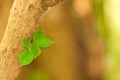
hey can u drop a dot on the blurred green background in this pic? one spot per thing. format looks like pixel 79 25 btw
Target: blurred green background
pixel 87 41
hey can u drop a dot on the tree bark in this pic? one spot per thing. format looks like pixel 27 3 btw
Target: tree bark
pixel 24 19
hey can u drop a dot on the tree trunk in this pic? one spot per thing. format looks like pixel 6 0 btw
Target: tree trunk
pixel 24 18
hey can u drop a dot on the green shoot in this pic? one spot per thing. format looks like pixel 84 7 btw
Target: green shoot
pixel 39 40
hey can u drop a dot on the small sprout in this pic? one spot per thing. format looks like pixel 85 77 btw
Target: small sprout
pixel 25 57
pixel 35 50
pixel 26 43
pixel 39 40
pixel 45 43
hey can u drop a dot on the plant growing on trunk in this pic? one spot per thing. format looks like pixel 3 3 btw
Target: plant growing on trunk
pixel 33 49
pixel 24 19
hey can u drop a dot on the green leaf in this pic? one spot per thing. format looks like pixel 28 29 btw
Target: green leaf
pixel 35 50
pixel 25 58
pixel 45 43
pixel 38 36
pixel 26 43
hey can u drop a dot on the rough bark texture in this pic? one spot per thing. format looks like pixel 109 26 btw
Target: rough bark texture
pixel 25 16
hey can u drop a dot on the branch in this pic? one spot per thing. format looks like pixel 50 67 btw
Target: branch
pixel 24 19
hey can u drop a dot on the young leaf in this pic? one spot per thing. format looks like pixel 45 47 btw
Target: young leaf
pixel 35 50
pixel 25 58
pixel 45 43
pixel 26 43
pixel 38 35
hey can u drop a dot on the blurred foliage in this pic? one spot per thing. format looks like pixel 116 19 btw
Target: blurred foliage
pixel 99 12
pixel 108 18
pixel 38 75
